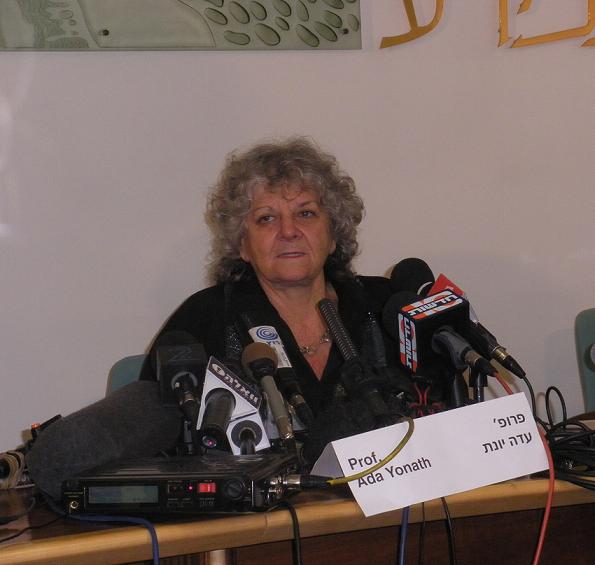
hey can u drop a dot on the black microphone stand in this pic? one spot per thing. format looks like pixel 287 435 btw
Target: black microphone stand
pixel 478 380
pixel 459 391
pixel 189 405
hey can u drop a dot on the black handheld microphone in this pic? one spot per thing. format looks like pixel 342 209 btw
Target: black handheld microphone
pixel 260 360
pixel 355 375
pixel 412 274
pixel 415 275
pixel 219 406
pixel 428 326
pixel 461 354
pixel 229 417
pixel 181 363
pixel 430 329
pixel 131 422
pixel 488 345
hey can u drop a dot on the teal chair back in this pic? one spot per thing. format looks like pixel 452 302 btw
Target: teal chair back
pixel 124 371
pixel 584 333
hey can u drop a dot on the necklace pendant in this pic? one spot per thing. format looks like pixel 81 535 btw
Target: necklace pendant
pixel 313 348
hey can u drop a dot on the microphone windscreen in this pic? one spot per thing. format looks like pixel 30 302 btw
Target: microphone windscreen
pixel 412 274
pixel 391 310
pixel 131 422
pixel 180 365
pixel 170 338
pixel 175 337
pixel 256 351
pixel 329 313
pixel 339 420
pixel 344 418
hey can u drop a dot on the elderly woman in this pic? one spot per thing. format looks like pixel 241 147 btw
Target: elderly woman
pixel 284 220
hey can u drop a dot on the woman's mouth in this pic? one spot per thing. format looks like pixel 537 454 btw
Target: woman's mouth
pixel 291 255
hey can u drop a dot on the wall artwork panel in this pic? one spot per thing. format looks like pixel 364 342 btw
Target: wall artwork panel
pixel 99 25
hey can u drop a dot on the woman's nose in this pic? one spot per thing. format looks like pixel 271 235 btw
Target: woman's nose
pixel 289 228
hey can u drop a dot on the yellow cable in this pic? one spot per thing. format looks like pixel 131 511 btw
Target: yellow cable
pixel 391 455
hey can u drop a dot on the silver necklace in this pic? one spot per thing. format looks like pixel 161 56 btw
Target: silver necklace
pixel 313 347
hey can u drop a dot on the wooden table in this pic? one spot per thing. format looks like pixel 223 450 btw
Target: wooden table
pixel 497 524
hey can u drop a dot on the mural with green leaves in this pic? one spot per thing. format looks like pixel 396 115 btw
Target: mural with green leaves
pixel 179 24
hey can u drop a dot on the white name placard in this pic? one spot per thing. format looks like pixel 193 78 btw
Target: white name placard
pixel 450 452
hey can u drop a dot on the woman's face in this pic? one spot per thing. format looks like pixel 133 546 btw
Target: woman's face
pixel 287 236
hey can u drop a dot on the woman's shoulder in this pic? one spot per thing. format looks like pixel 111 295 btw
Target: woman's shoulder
pixel 374 282
pixel 200 305
pixel 206 295
pixel 364 292
pixel 377 287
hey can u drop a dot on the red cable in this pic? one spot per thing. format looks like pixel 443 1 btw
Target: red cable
pixel 426 394
pixel 504 384
pixel 419 394
pixel 418 405
pixel 550 497
pixel 551 481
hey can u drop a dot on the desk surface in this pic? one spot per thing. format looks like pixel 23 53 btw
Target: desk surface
pixel 319 514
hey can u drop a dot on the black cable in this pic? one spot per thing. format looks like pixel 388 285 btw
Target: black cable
pixel 422 535
pixel 38 527
pixel 562 429
pixel 574 479
pixel 296 542
pixel 450 533
pixel 549 390
pixel 8 519
pixel 572 444
pixel 525 379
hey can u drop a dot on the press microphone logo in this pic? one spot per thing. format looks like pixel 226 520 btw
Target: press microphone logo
pixel 407 343
pixel 235 384
pixel 221 383
pixel 266 333
pixel 433 305
pixel 269 336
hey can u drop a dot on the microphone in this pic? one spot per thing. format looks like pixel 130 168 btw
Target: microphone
pixel 373 344
pixel 426 326
pixel 219 406
pixel 412 274
pixel 181 363
pixel 285 376
pixel 415 275
pixel 229 415
pixel 260 360
pixel 339 420
pixel 373 349
pixel 460 351
pixel 479 336
pixel 130 422
pixel 355 375
pixel 486 343
pixel 427 329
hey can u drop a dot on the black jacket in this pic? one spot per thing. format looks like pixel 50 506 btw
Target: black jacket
pixel 216 318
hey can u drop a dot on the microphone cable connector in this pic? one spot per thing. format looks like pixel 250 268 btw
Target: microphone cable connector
pixel 508 361
pixel 297 482
pixel 479 363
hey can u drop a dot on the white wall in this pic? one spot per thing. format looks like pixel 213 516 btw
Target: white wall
pixel 478 159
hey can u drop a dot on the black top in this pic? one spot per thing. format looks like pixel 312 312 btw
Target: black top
pixel 216 318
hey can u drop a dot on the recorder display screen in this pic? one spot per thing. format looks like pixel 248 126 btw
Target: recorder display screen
pixel 124 494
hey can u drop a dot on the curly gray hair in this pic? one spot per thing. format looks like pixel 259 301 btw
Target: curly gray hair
pixel 296 160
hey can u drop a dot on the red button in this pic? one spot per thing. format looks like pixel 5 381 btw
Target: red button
pixel 207 487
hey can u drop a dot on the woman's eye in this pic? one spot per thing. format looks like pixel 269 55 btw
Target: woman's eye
pixel 264 219
pixel 307 213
